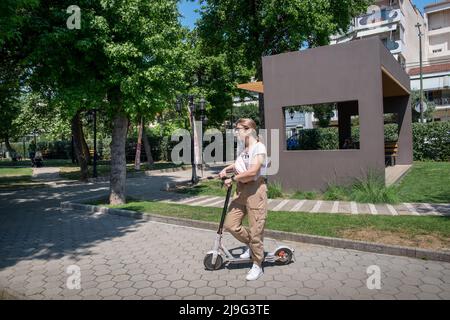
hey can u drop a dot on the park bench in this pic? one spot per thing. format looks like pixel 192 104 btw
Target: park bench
pixel 390 152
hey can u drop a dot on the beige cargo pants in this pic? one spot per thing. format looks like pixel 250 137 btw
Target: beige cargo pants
pixel 251 199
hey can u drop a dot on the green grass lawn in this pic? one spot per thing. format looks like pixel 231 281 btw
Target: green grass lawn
pixel 47 163
pixel 11 177
pixel 425 232
pixel 103 169
pixel 204 188
pixel 426 182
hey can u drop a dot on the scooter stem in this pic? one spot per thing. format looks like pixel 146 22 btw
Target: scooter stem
pixel 224 211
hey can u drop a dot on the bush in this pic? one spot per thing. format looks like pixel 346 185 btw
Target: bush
pixel 372 189
pixel 305 195
pixel 318 139
pixel 55 149
pixel 336 193
pixel 274 190
pixel 431 141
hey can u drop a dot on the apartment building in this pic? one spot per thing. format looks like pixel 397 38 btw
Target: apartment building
pixel 394 22
pixel 436 66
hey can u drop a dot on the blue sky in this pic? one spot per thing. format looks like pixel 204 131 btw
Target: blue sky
pixel 187 9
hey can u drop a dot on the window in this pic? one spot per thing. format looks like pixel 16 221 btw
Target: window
pixel 328 126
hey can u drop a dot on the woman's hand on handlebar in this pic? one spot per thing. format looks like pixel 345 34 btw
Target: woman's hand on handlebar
pixel 223 174
pixel 228 183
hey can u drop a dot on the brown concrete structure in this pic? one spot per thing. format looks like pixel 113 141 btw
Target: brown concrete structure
pixel 363 78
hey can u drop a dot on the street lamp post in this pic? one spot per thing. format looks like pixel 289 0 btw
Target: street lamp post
pixel 192 107
pixel 292 113
pixel 92 117
pixel 418 25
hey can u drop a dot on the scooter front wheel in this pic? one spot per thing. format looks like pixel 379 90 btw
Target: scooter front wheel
pixel 283 256
pixel 208 262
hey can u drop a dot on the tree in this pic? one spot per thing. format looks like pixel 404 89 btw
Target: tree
pixel 431 107
pixel 144 53
pixel 214 75
pixel 324 113
pixel 257 28
pixel 13 14
pixel 125 60
pixel 247 111
pixel 10 71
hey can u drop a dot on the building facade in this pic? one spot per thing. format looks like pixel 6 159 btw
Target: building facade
pixel 436 66
pixel 394 22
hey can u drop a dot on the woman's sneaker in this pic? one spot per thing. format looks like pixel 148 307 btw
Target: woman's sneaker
pixel 246 254
pixel 255 273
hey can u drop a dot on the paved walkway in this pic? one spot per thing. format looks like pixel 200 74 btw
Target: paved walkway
pixel 44 174
pixel 310 206
pixel 143 191
pixel 123 258
pixel 318 206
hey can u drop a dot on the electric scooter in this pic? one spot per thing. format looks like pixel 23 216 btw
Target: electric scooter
pixel 221 256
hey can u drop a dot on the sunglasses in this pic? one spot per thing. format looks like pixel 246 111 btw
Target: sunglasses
pixel 239 129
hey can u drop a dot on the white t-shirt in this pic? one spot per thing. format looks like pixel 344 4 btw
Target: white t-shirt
pixel 248 158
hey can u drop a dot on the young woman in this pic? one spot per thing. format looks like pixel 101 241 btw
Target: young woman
pixel 251 195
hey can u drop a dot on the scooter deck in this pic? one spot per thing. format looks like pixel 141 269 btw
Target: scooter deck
pixel 267 258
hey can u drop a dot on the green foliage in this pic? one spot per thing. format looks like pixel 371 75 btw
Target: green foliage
pixel 318 139
pixel 415 99
pixel 259 28
pixel 125 58
pixel 391 132
pixel 372 189
pixel 247 111
pixel 324 113
pixel 214 75
pixel 245 31
pixel 305 195
pixel 431 141
pixel 13 14
pixel 274 190
pixel 336 193
pixel 55 149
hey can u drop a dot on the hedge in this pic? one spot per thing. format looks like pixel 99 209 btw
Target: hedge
pixel 431 141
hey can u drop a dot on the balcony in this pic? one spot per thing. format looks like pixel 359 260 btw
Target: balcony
pixel 439 31
pixel 379 19
pixel 438 51
pixel 440 102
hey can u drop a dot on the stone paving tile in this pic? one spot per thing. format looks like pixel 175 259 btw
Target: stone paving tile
pixel 123 258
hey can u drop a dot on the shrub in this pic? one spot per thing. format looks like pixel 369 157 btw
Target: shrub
pixel 302 195
pixel 431 141
pixel 371 189
pixel 274 190
pixel 336 193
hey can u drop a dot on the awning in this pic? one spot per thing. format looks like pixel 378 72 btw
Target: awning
pixel 252 86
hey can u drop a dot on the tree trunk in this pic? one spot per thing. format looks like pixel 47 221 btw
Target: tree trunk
pixel 137 158
pixel 118 160
pixel 85 147
pixel 78 137
pixel 8 146
pixel 147 148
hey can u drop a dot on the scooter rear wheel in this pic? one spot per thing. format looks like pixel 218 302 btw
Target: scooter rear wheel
pixel 208 262
pixel 283 256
